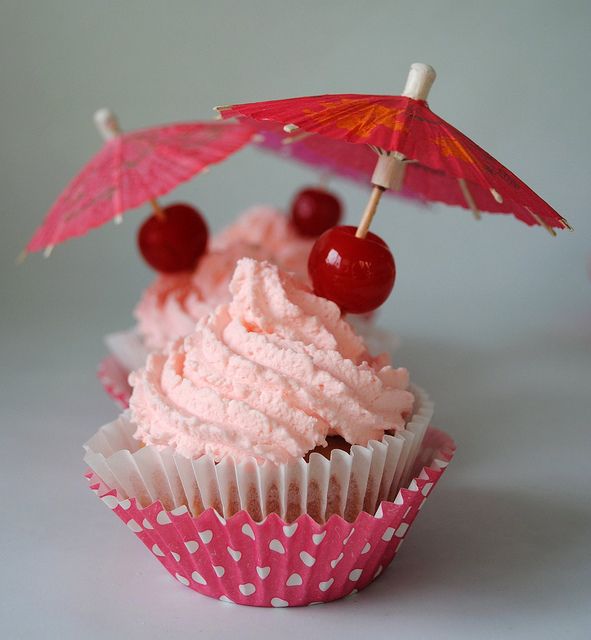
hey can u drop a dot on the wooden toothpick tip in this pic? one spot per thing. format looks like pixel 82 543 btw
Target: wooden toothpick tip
pixel 48 250
pixel 542 223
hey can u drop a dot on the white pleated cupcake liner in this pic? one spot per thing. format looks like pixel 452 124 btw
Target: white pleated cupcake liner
pixel 274 563
pixel 345 484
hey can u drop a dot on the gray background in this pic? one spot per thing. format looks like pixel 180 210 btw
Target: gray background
pixel 494 317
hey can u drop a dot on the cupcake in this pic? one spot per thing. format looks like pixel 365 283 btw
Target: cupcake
pixel 272 439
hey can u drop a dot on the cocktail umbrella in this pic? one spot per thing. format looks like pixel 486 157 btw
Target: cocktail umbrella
pixel 134 168
pixel 418 152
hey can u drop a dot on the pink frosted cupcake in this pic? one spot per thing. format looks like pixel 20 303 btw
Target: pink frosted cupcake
pixel 271 411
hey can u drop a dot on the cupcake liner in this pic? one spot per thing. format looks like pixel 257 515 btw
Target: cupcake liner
pixel 127 353
pixel 113 377
pixel 274 563
pixel 343 485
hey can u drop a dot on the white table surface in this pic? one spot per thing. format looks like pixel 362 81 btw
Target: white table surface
pixel 500 551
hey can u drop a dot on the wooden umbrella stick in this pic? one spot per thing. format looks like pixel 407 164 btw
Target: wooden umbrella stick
pixel 157 210
pixel 370 211
pixel 469 199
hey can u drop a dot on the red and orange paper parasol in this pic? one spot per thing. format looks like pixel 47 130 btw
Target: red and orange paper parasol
pixel 418 152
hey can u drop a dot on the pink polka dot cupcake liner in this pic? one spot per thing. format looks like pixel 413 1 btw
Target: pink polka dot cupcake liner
pixel 113 377
pixel 272 562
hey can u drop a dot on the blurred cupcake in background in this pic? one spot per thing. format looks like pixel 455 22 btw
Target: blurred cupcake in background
pixel 172 303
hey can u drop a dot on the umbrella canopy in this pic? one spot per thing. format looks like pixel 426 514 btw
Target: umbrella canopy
pixel 134 168
pixel 417 150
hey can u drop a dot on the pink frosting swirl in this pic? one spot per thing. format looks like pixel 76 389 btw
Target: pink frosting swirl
pixel 269 375
pixel 172 304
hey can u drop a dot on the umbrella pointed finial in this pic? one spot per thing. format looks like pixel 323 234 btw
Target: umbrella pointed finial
pixel 107 124
pixel 419 81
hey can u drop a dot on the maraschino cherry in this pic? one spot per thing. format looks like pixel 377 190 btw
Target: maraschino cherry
pixel 356 273
pixel 173 238
pixel 315 210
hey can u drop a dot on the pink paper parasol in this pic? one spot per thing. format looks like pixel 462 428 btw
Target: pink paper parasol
pixel 132 169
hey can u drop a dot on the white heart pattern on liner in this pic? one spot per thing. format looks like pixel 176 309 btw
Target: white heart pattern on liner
pixel 275 545
pixel 388 533
pixel 226 599
pixel 125 504
pixel 236 555
pixel 325 586
pixel 427 488
pixel 349 536
pixel 317 538
pixel 294 580
pixel 146 524
pixel 333 563
pixel 157 551
pixel 206 536
pixel 247 589
pixel 278 602
pixel 366 548
pixel 192 546
pixel 162 518
pixel 134 526
pixel 355 575
pixel 110 501
pixel 198 577
pixel 263 572
pixel 402 529
pixel 290 529
pixel 247 531
pixel 219 570
pixel 175 556
pixel 307 559
pixel 182 580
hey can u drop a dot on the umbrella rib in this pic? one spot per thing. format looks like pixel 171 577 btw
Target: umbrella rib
pixel 469 198
pixel 297 137
pixel 541 222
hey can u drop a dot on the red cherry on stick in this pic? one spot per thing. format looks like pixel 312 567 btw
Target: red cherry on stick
pixel 356 273
pixel 173 239
pixel 314 210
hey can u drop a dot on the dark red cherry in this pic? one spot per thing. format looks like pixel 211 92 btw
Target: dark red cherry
pixel 175 240
pixel 356 273
pixel 313 211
